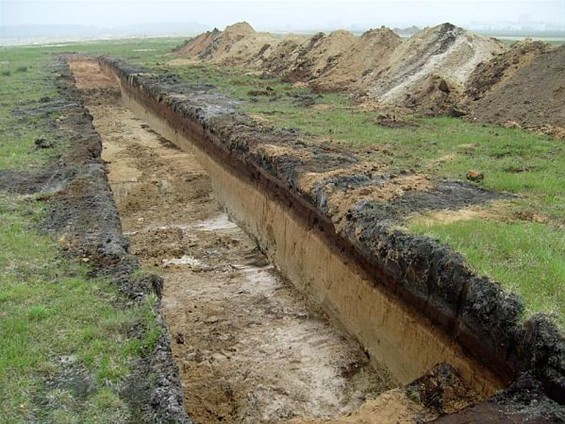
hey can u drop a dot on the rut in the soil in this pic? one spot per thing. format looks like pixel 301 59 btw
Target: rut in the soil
pixel 248 346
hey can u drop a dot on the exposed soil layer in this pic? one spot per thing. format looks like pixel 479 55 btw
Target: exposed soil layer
pixel 82 215
pixel 370 53
pixel 428 72
pixel 417 271
pixel 249 347
pixel 495 72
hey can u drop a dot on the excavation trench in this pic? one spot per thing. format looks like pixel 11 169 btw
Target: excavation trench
pixel 250 347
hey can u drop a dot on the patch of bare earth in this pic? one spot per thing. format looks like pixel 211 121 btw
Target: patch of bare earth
pixel 248 346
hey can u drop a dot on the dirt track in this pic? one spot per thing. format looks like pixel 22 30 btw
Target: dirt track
pixel 249 348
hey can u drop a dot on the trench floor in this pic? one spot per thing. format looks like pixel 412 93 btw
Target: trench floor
pixel 248 346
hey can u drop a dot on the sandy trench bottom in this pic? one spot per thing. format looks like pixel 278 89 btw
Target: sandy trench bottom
pixel 248 346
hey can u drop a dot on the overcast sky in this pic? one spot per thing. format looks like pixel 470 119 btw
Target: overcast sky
pixel 268 15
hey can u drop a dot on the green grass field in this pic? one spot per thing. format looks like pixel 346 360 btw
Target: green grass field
pixel 56 325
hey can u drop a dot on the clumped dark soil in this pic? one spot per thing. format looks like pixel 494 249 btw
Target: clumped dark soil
pixel 523 402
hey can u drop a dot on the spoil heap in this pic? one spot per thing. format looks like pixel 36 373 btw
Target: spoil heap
pixel 318 55
pixel 429 72
pixel 492 74
pixel 438 70
pixel 238 45
pixel 285 56
pixel 525 87
pixel 369 54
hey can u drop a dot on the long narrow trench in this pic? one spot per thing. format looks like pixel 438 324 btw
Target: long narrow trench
pixel 249 347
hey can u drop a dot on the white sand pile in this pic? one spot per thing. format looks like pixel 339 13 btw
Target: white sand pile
pixel 445 51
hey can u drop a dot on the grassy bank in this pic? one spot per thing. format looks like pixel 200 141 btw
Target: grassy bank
pixel 66 346
pixel 69 341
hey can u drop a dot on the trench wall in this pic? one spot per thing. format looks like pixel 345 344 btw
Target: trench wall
pixel 410 302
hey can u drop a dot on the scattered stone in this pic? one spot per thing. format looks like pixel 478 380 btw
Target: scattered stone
pixel 475 176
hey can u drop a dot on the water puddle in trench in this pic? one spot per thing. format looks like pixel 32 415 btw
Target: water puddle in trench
pixel 249 347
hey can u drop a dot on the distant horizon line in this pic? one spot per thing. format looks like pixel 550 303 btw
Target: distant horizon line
pixel 71 32
pixel 367 25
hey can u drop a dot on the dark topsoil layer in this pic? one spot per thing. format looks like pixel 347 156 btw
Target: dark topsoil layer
pixel 474 311
pixel 81 208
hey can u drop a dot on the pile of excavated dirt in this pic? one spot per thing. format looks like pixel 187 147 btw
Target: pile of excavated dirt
pixel 496 72
pixel 369 54
pixel 319 54
pixel 429 72
pixel 284 55
pixel 239 44
pixel 332 61
pixel 426 74
pixel 439 70
pixel 527 89
pixel 196 46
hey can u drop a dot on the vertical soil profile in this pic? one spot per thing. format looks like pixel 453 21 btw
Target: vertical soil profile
pixel 249 347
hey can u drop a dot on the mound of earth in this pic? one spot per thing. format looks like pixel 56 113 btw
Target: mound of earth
pixel 493 73
pixel 316 55
pixel 439 70
pixel 197 46
pixel 238 44
pixel 369 53
pixel 530 96
pixel 284 55
pixel 434 59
